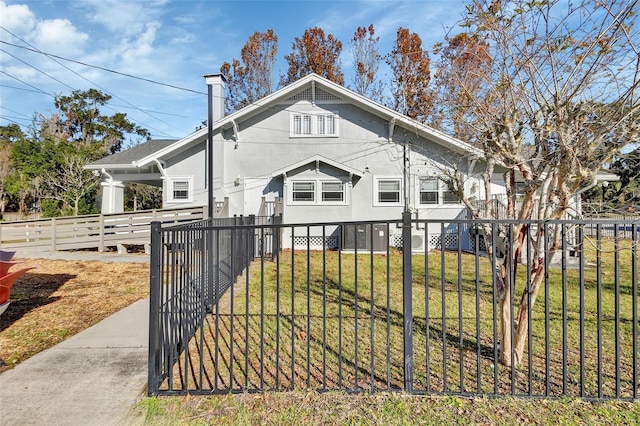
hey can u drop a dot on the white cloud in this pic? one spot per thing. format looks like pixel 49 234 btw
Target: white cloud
pixel 17 18
pixel 22 73
pixel 133 52
pixel 50 35
pixel 124 17
pixel 59 35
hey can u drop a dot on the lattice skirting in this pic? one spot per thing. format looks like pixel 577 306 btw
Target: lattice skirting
pixel 435 242
pixel 315 243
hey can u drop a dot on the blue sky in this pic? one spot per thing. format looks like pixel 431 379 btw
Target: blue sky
pixel 175 43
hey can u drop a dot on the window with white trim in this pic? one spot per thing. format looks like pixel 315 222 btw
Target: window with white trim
pixel 318 191
pixel 180 190
pixel 433 191
pixel 388 191
pixel 303 192
pixel 429 193
pixel 333 192
pixel 323 124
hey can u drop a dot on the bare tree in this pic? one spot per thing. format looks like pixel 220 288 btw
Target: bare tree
pixel 70 182
pixel 366 60
pixel 559 100
pixel 251 79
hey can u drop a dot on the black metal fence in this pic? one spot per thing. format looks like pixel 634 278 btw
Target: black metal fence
pixel 408 305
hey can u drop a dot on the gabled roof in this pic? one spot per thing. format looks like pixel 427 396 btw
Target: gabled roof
pixel 314 80
pixel 128 157
pixel 318 159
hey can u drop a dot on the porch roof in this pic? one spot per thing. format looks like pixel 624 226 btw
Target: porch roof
pixel 318 159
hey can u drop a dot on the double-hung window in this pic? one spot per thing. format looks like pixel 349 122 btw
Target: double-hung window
pixel 429 193
pixel 333 192
pixel 318 191
pixel 303 192
pixel 180 190
pixel 314 124
pixel 433 191
pixel 388 191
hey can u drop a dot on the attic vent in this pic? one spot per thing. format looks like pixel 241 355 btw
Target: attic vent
pixel 321 95
pixel 305 95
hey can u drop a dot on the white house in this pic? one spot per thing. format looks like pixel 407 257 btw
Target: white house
pixel 325 152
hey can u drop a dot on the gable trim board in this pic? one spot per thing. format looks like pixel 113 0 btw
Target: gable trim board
pixel 317 159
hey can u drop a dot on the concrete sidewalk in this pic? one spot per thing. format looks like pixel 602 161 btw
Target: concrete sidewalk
pixel 94 378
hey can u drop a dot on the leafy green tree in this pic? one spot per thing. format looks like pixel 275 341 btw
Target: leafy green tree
pixel 8 136
pixel 79 120
pixel 251 78
pixel 49 164
pixel 139 196
pixel 627 166
pixel 316 53
pixel 29 161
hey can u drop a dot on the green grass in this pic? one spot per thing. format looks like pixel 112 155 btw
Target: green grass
pixel 336 325
pixel 300 408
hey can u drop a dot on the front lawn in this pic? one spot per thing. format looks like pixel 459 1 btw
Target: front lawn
pixel 323 320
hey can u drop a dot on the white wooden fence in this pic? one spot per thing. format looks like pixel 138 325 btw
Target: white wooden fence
pixel 91 231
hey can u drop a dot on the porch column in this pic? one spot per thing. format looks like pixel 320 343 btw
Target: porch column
pixel 112 197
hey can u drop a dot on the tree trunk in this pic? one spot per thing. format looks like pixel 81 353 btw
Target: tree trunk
pixel 529 296
pixel 505 329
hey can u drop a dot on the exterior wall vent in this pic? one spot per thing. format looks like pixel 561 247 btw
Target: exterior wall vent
pixel 307 95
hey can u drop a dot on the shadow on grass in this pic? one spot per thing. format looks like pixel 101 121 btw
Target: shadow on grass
pixel 31 291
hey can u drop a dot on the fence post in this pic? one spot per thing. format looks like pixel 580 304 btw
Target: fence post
pixel 154 307
pixel 101 243
pixel 53 233
pixel 407 300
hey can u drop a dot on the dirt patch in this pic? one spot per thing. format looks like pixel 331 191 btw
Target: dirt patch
pixel 61 298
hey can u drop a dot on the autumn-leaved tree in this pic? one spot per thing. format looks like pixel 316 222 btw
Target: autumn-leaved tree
pixel 250 78
pixel 316 53
pixel 460 82
pixel 559 99
pixel 366 60
pixel 411 76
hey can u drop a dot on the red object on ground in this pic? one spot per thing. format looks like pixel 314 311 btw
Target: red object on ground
pixel 5 286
